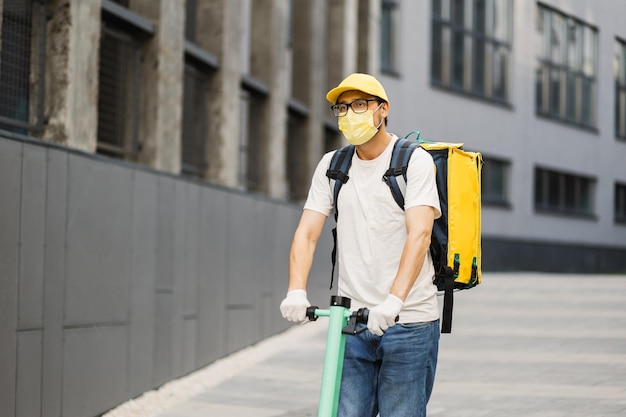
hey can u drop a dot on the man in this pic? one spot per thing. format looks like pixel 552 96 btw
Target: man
pixel 384 261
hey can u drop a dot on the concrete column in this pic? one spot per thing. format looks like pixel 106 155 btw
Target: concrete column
pixel 269 64
pixel 369 36
pixel 342 40
pixel 219 32
pixel 341 45
pixel 308 82
pixel 71 89
pixel 162 84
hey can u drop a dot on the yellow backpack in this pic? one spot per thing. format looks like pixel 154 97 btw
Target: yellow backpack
pixel 455 243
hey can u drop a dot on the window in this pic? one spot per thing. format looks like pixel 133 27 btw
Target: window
pixel 620 89
pixel 194 158
pixel 495 182
pixel 620 203
pixel 119 80
pixel 252 102
pixel 191 12
pixel 297 174
pixel 22 64
pixel 388 36
pixel 118 95
pixel 200 66
pixel 471 47
pixel 255 138
pixel 563 193
pixel 566 68
pixel 332 137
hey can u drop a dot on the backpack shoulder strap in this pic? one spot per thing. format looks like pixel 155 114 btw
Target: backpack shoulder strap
pixel 395 176
pixel 337 172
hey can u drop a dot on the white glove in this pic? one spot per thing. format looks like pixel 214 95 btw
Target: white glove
pixel 384 315
pixel 293 307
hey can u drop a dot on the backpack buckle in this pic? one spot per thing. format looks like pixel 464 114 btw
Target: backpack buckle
pixel 393 172
pixel 337 175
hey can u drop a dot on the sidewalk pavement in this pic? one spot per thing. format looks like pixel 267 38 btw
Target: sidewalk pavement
pixel 522 345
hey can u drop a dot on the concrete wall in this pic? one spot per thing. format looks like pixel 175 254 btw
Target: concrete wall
pixel 115 278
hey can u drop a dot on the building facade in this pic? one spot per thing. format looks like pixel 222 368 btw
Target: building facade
pixel 232 93
pixel 154 155
pixel 538 89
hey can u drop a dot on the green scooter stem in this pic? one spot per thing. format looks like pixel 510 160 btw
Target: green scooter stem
pixel 341 322
pixel 333 359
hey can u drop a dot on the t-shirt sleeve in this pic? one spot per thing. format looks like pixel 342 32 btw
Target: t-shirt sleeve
pixel 320 198
pixel 421 185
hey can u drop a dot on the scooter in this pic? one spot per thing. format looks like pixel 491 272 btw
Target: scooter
pixel 341 323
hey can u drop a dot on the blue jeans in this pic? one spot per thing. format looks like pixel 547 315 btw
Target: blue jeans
pixel 391 374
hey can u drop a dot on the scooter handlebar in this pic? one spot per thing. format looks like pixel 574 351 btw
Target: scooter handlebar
pixel 360 316
pixel 310 313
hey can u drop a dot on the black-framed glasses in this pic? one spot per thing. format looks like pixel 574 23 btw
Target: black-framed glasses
pixel 360 105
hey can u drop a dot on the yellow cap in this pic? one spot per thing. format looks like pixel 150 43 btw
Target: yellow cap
pixel 360 82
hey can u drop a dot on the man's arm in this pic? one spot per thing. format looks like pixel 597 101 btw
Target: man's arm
pixel 294 306
pixel 303 248
pixel 419 224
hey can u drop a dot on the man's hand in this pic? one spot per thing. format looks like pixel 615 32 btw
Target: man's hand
pixel 293 307
pixel 384 315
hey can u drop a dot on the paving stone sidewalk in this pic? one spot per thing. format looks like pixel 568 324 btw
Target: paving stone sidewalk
pixel 522 345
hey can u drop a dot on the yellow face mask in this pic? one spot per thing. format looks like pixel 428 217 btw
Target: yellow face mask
pixel 358 128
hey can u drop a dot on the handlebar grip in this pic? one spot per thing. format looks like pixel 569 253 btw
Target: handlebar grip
pixel 362 318
pixel 363 314
pixel 310 313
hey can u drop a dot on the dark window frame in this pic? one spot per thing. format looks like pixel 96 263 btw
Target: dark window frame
pixel 566 80
pixel 116 137
pixel 199 67
pixel 194 159
pixel 123 32
pixel 620 203
pixel 620 89
pixel 26 105
pixel 553 193
pixel 297 176
pixel 254 94
pixel 473 78
pixel 388 37
pixel 489 195
pixel 191 11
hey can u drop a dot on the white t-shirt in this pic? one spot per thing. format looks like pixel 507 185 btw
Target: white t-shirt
pixel 371 230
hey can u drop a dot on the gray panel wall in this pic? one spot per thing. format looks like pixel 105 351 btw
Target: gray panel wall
pixel 115 279
pixel 10 192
